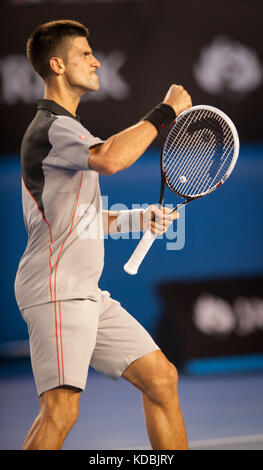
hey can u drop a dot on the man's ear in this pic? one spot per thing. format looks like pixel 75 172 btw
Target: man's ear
pixel 57 65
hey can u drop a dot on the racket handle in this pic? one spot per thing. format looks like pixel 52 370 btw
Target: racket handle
pixel 133 264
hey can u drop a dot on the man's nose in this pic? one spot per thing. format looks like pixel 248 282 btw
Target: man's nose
pixel 96 63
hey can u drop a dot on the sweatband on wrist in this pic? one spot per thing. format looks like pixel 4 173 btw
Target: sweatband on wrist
pixel 129 221
pixel 161 116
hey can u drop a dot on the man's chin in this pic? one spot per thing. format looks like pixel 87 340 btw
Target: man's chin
pixel 93 87
pixel 94 84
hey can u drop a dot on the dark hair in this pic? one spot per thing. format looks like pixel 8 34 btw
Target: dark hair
pixel 49 40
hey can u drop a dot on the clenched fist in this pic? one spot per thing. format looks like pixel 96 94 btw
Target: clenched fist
pixel 178 98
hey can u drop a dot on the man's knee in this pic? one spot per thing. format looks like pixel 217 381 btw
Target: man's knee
pixel 163 384
pixel 155 376
pixel 61 408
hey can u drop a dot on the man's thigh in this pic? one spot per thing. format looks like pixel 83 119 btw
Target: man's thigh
pixel 121 339
pixel 62 337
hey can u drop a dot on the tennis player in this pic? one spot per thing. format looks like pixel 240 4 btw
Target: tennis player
pixel 72 323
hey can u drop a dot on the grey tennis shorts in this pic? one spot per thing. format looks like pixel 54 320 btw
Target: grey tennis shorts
pixel 66 337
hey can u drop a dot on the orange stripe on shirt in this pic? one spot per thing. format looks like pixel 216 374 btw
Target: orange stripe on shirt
pixel 55 281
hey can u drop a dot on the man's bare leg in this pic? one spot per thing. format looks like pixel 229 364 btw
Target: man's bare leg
pixel 156 377
pixel 58 413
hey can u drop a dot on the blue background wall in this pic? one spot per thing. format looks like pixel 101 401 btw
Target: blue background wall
pixel 224 234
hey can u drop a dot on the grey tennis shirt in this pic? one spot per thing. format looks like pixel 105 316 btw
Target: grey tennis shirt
pixel 62 210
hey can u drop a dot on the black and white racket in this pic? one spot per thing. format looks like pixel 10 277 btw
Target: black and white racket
pixel 198 155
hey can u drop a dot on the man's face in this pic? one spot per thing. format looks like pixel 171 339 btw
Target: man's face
pixel 81 65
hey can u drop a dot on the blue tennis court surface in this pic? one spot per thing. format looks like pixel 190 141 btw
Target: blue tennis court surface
pixel 220 412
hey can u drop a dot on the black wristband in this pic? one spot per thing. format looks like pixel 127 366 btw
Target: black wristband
pixel 161 116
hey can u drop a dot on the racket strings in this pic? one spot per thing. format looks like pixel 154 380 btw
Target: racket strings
pixel 198 176
pixel 178 133
pixel 182 168
pixel 176 146
pixel 208 180
pixel 197 173
pixel 176 143
pixel 207 183
pixel 191 156
pixel 221 171
pixel 179 137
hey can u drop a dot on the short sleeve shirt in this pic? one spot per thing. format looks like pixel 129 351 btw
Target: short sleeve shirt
pixel 62 210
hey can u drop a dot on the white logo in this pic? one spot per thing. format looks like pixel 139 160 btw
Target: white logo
pixel 21 83
pixel 215 316
pixel 227 67
pixel 90 225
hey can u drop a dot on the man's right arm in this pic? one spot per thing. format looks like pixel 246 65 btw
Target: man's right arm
pixel 121 150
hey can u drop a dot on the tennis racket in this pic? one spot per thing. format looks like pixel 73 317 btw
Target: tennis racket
pixel 198 155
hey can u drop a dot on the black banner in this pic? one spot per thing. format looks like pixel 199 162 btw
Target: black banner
pixel 214 49
pixel 205 319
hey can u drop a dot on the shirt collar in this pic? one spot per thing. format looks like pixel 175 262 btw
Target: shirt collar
pixel 55 108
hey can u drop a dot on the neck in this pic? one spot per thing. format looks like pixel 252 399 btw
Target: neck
pixel 65 98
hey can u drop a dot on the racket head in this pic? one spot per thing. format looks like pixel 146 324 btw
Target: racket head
pixel 199 152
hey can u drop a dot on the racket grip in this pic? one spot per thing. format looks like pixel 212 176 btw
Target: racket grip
pixel 133 264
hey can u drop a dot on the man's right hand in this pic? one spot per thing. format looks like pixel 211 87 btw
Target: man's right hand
pixel 178 98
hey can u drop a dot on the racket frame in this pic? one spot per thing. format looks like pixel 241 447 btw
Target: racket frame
pixel 231 166
pixel 133 264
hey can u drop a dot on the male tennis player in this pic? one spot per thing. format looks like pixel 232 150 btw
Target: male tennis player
pixel 71 322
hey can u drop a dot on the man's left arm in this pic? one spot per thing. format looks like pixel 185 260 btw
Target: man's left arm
pixel 138 220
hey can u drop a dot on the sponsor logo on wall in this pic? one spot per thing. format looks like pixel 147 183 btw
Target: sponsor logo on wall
pixel 228 68
pixel 20 83
pixel 211 318
pixel 215 316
